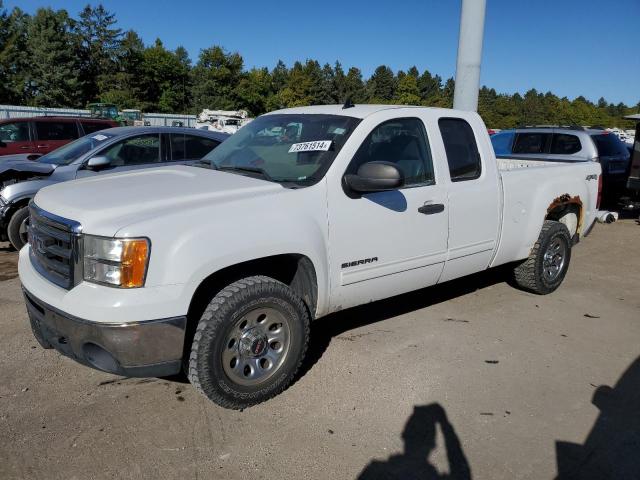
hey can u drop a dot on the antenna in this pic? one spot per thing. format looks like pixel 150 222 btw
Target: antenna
pixel 348 104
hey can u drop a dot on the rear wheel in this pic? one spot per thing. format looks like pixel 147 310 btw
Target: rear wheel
pixel 547 265
pixel 17 228
pixel 249 342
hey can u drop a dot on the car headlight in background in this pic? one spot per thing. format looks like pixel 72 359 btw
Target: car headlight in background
pixel 118 262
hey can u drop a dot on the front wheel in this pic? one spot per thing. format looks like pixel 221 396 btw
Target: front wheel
pixel 548 262
pixel 249 342
pixel 17 228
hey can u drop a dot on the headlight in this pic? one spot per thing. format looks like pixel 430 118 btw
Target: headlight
pixel 118 262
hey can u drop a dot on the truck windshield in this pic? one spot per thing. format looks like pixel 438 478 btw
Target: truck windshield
pixel 69 152
pixel 286 148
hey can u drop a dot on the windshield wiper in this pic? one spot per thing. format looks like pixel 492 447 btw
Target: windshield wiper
pixel 244 168
pixel 204 164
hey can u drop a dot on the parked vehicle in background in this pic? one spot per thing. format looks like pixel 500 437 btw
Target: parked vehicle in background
pixel 107 111
pixel 570 144
pixel 632 199
pixel 303 212
pixel 228 121
pixel 131 117
pixel 36 136
pixel 108 151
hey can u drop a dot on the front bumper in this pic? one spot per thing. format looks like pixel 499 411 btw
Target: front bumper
pixel 149 348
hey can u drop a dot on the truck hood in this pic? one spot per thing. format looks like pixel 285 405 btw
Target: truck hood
pixel 107 203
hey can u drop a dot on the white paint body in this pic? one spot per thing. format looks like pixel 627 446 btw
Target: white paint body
pixel 200 221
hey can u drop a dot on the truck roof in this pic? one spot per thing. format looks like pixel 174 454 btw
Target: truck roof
pixel 357 111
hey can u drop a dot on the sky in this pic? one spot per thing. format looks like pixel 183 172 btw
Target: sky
pixel 569 47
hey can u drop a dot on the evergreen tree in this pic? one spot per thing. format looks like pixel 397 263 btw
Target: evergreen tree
pixel 381 85
pixel 408 92
pixel 53 70
pixel 430 88
pixel 354 86
pixel 99 45
pixel 215 77
pixel 125 91
pixel 254 91
pixel 13 55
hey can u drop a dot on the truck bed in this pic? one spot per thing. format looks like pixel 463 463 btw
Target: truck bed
pixel 530 187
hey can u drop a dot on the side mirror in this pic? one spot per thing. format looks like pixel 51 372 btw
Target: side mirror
pixel 375 177
pixel 98 163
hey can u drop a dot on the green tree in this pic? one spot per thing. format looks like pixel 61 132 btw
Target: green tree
pixel 98 49
pixel 215 77
pixel 125 90
pixel 408 92
pixel 381 85
pixel 163 80
pixel 254 91
pixel 430 88
pixel 13 56
pixel 54 69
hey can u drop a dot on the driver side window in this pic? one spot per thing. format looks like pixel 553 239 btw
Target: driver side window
pixel 138 150
pixel 401 141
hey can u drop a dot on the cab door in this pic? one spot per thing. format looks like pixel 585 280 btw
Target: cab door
pixel 15 138
pixel 385 243
pixel 474 196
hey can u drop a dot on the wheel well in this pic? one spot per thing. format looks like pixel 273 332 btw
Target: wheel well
pixel 19 204
pixel 294 270
pixel 561 207
pixel 13 209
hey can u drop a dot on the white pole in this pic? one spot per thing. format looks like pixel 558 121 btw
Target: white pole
pixel 465 96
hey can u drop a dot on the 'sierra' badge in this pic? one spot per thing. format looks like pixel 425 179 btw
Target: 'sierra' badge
pixel 317 146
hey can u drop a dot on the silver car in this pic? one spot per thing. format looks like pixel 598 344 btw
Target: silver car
pixel 107 151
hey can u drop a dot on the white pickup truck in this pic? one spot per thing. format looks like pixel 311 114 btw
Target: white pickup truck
pixel 219 270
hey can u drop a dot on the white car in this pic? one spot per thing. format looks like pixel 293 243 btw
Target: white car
pixel 306 211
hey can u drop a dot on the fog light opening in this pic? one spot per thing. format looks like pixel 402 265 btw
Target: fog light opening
pixel 99 358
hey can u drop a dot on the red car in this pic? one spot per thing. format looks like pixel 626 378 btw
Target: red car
pixel 40 135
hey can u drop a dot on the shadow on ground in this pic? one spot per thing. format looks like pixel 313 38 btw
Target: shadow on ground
pixel 612 448
pixel 419 437
pixel 329 327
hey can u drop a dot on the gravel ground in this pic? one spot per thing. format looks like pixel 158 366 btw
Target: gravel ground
pixel 472 378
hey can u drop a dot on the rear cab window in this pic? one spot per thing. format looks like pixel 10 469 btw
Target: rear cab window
pixel 461 148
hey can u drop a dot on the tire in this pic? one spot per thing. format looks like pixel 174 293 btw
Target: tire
pixel 547 265
pixel 16 229
pixel 249 343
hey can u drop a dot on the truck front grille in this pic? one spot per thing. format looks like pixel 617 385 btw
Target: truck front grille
pixel 55 247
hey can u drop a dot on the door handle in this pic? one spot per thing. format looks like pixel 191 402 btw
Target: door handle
pixel 431 208
pixel 25 147
pixel 43 146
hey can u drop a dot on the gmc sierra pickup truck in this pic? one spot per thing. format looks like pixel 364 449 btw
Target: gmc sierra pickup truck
pixel 219 268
